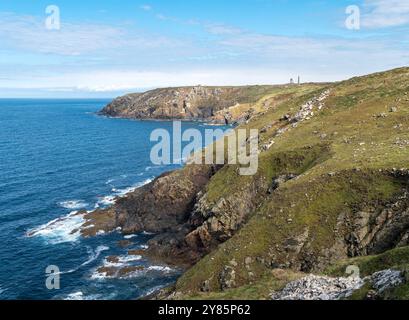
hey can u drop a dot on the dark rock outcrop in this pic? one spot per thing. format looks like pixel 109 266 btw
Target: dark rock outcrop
pixel 164 204
pixel 162 207
pixel 216 222
pixel 324 193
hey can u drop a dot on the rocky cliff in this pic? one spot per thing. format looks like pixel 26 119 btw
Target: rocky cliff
pixel 332 185
pixel 214 104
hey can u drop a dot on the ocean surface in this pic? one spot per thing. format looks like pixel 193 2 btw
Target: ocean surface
pixel 58 157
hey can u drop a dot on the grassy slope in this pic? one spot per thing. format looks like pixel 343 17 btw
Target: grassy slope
pixel 348 134
pixel 261 289
pixel 397 259
pixel 275 280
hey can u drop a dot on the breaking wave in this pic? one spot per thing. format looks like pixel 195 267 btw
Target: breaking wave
pixel 60 230
pixel 73 204
pixel 92 256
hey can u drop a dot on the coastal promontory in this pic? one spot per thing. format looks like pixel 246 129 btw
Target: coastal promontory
pixel 222 105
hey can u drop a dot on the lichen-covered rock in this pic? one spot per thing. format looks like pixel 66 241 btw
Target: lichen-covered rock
pixel 313 287
pixel 227 278
pixel 386 279
pixel 214 223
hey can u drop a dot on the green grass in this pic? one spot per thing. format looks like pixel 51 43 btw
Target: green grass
pixel 396 259
pixel 274 280
pixel 338 155
pixel 393 259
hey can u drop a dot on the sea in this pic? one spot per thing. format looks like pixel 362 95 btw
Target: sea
pixel 58 157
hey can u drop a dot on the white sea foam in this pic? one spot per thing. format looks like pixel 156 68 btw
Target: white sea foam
pixel 68 228
pixel 92 256
pixel 112 198
pixel 106 201
pixel 126 259
pixel 61 230
pixel 109 264
pixel 160 268
pixel 130 236
pixel 73 204
pixel 79 296
pixel 99 276
pixel 109 181
pixel 75 296
pixel 123 261
pixel 122 192
pixel 147 181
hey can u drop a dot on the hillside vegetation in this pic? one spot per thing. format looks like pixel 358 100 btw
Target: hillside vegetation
pixel 332 186
pixel 213 104
pixel 348 197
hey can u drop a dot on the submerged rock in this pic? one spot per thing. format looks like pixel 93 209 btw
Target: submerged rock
pixel 124 243
pixel 118 272
pixel 98 222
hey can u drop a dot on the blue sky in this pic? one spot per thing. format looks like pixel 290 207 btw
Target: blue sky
pixel 106 48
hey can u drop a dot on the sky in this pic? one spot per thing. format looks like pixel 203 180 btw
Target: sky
pixel 108 48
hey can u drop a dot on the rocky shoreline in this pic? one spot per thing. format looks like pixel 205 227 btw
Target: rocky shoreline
pixel 161 207
pixel 328 189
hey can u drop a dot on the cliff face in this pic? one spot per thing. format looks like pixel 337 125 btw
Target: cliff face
pixel 332 184
pixel 214 104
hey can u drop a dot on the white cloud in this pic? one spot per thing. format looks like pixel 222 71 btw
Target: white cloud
pixel 385 13
pixel 113 59
pixel 29 33
pixel 115 81
pixel 146 7
pixel 221 29
pixel 266 45
pixel 161 16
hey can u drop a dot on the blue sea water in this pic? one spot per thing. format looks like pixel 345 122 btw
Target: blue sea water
pixel 58 157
